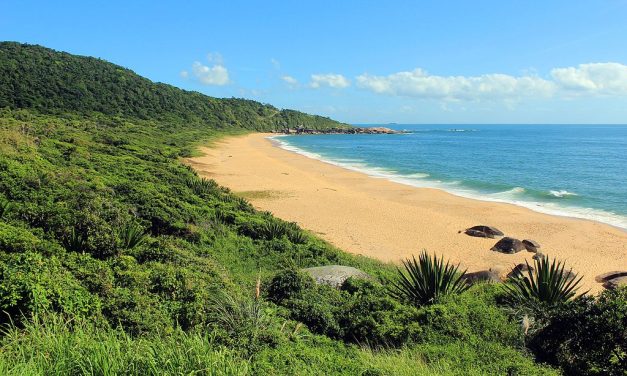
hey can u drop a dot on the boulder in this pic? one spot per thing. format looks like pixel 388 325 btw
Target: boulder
pixel 520 269
pixel 602 278
pixel 483 231
pixel 508 245
pixel 538 256
pixel 531 245
pixel 482 276
pixel 335 275
pixel 616 282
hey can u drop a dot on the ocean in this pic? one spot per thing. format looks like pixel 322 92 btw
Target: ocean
pixel 570 170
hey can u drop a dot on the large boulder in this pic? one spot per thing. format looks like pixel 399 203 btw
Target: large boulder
pixel 483 231
pixel 335 275
pixel 508 245
pixel 616 282
pixel 601 278
pixel 531 245
pixel 482 276
pixel 520 270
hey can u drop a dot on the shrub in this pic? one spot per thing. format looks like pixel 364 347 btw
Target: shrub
pixel 287 284
pixel 427 280
pixel 587 336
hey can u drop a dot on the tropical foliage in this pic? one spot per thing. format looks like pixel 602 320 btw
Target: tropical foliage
pixel 546 282
pixel 427 279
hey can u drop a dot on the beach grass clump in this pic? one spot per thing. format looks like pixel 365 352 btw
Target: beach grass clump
pixel 547 282
pixel 427 279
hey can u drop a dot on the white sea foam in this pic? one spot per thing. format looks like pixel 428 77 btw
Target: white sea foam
pixel 561 194
pixel 511 196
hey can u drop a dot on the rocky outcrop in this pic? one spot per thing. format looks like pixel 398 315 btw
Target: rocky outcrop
pixel 531 245
pixel 352 130
pixel 335 275
pixel 483 231
pixel 508 245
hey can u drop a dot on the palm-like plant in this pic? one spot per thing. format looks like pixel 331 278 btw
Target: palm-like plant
pixel 547 282
pixel 427 280
pixel 131 236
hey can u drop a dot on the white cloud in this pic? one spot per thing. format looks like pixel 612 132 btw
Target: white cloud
pixel 331 80
pixel 208 75
pixel 594 78
pixel 215 57
pixel 418 83
pixel 290 80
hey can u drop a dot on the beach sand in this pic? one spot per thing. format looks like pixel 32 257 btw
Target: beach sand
pixel 391 221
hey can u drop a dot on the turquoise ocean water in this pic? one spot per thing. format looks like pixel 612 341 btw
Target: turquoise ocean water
pixel 571 170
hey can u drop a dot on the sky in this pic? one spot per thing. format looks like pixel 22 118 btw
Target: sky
pixel 361 62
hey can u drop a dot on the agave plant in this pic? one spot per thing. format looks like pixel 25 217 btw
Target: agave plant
pixel 427 280
pixel 274 229
pixel 201 186
pixel 76 241
pixel 547 282
pixel 131 236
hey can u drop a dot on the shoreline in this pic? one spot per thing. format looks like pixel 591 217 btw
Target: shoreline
pixel 389 221
pixel 539 207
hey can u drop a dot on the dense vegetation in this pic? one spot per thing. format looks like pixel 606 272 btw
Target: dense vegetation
pixel 56 82
pixel 116 258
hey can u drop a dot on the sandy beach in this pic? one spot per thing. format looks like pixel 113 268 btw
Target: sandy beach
pixel 391 221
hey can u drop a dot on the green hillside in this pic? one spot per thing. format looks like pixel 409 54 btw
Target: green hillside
pixel 117 259
pixel 53 82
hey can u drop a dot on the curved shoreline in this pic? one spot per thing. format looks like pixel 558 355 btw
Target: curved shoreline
pixel 390 221
pixel 596 215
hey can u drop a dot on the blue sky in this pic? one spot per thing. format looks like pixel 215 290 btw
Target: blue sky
pixel 361 61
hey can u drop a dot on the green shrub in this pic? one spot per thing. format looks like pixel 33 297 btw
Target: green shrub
pixel 17 240
pixel 31 283
pixel 287 284
pixel 587 336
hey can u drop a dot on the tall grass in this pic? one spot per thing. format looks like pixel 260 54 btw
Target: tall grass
pixel 51 345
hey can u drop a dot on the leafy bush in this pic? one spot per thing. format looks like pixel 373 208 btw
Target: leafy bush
pixel 289 283
pixel 587 336
pixel 427 280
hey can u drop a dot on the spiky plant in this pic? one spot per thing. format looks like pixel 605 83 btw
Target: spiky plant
pixel 274 229
pixel 76 241
pixel 201 186
pixel 130 236
pixel 547 282
pixel 427 279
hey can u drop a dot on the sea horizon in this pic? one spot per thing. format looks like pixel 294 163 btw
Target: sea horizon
pixel 584 184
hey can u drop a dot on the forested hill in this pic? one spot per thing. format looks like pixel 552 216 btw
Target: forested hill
pixel 49 81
